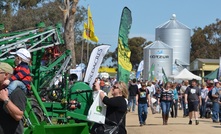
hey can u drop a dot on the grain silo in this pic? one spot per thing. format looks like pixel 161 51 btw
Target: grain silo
pixel 159 55
pixel 177 36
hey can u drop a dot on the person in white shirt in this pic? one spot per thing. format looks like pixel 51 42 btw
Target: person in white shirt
pixel 152 90
pixel 138 84
pixel 185 84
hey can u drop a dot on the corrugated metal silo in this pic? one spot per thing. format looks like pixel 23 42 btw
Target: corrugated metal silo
pixel 177 36
pixel 160 55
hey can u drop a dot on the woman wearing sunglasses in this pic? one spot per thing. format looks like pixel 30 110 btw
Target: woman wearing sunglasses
pixel 116 105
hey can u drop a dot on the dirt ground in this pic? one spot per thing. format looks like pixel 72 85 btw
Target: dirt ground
pixel 177 125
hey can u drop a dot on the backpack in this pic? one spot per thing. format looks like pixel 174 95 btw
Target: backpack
pixel 210 94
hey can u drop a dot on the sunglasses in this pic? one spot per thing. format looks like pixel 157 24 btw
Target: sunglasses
pixel 115 87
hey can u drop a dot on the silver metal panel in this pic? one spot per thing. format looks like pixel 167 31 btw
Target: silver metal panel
pixel 177 36
pixel 173 23
pixel 159 54
pixel 179 40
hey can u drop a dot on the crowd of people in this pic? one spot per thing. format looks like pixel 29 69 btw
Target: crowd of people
pixel 165 98
pixel 190 97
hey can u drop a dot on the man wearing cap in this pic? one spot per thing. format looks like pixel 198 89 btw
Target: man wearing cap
pixel 193 99
pixel 12 106
pixel 215 96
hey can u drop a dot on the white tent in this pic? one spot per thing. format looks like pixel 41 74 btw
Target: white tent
pixel 185 75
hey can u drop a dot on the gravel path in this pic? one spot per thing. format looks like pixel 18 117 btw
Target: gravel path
pixel 177 125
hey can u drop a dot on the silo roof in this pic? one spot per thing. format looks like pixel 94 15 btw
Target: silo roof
pixel 173 24
pixel 157 44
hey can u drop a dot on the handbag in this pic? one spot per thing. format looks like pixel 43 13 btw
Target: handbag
pixel 158 108
pixel 110 127
pixel 97 111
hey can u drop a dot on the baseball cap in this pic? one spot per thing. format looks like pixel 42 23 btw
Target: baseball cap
pixel 23 53
pixel 6 67
pixel 215 80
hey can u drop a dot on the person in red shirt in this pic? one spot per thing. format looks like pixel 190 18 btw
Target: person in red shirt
pixel 210 85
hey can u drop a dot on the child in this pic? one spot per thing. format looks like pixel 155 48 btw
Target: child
pixel 21 76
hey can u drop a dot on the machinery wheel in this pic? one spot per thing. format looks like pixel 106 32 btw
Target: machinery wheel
pixel 37 109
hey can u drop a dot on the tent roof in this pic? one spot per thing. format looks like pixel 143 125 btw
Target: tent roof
pixel 212 75
pixel 185 75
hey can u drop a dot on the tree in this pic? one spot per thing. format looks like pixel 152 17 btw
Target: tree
pixel 205 42
pixel 136 48
pixel 69 12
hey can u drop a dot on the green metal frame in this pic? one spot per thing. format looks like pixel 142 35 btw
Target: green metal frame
pixel 36 41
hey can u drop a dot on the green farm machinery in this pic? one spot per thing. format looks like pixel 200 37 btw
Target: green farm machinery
pixel 51 108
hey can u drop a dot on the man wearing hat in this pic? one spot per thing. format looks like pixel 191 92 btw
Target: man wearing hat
pixel 12 106
pixel 215 100
pixel 193 99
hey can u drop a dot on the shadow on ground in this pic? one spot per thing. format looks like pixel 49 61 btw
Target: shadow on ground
pixel 216 126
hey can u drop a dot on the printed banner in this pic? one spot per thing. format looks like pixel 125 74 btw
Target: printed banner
pixel 124 64
pixel 96 58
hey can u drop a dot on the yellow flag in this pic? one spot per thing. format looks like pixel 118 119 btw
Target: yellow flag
pixel 85 36
pixel 88 33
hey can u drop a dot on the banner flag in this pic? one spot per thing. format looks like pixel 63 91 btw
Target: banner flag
pixel 88 32
pixel 124 64
pixel 96 58
pixel 152 72
pixel 140 69
pixel 165 79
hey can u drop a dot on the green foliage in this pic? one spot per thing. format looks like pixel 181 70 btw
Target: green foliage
pixel 136 48
pixel 206 42
pixel 29 3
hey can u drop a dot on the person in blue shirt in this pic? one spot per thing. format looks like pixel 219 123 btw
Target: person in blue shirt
pixel 215 95
pixel 174 104
pixel 204 98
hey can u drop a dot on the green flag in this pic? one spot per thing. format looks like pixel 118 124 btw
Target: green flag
pixel 165 79
pixel 124 64
pixel 152 72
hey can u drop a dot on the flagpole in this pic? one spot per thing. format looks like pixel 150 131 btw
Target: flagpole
pixel 88 25
pixel 87 51
pixel 82 50
pixel 82 53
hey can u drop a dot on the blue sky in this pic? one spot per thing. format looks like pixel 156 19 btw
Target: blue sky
pixel 149 14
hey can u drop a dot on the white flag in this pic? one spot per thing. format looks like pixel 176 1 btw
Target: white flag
pixel 140 69
pixel 96 58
